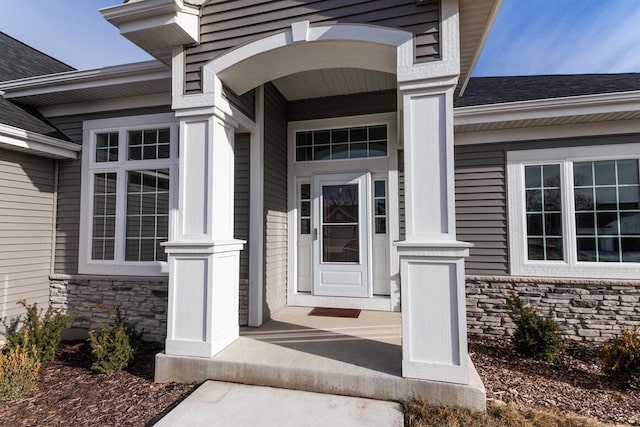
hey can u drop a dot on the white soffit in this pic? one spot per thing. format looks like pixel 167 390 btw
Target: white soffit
pixel 333 82
pixel 476 20
pixel 17 139
pixel 130 80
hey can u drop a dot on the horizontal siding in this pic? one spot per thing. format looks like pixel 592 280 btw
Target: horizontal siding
pixel 227 24
pixel 26 230
pixel 244 103
pixel 241 217
pixel 340 106
pixel 69 179
pixel 275 200
pixel 481 215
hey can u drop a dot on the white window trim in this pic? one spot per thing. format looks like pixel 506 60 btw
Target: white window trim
pixel 565 157
pixel 86 265
pixel 300 172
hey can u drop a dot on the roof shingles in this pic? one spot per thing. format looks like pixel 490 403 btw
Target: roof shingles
pixel 496 90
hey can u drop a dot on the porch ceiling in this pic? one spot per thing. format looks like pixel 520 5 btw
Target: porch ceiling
pixel 333 82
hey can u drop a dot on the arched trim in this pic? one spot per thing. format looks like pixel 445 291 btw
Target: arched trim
pixel 304 48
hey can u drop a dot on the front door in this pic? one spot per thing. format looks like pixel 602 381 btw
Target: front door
pixel 341 245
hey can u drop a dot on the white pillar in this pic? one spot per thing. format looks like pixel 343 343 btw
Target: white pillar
pixel 434 334
pixel 203 256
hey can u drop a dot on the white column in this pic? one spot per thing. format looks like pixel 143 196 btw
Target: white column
pixel 203 256
pixel 434 334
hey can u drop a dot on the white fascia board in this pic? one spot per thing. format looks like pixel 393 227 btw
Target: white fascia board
pixel 142 101
pixel 84 79
pixel 136 10
pixel 548 108
pixel 19 139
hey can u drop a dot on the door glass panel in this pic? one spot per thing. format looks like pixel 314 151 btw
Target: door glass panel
pixel 340 203
pixel 340 227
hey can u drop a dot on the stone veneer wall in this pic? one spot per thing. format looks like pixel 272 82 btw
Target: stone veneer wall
pixel 588 310
pixel 142 301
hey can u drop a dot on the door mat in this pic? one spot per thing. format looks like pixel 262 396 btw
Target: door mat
pixel 335 312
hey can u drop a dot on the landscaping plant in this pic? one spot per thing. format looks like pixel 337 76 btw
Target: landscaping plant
pixel 621 357
pixel 536 337
pixel 44 329
pixel 19 368
pixel 114 346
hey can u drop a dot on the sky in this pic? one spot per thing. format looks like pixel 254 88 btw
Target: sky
pixel 529 36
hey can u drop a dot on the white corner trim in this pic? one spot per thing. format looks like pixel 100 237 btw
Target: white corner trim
pixel 549 107
pixel 35 143
pixel 83 79
pixel 256 217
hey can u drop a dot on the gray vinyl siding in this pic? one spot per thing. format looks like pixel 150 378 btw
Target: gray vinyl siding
pixel 481 212
pixel 275 200
pixel 69 179
pixel 26 230
pixel 341 106
pixel 245 103
pixel 227 24
pixel 241 218
pixel 481 199
pixel 401 201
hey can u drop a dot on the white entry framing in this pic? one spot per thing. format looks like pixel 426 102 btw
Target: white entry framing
pixel 379 168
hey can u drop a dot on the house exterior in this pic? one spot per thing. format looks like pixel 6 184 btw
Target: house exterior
pixel 336 154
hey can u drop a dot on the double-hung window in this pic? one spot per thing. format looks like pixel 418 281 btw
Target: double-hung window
pixel 129 165
pixel 575 212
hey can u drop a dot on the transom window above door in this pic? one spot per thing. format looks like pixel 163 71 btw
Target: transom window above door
pixel 342 143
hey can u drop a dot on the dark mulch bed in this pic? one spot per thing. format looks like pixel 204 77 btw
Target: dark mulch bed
pixel 69 394
pixel 574 382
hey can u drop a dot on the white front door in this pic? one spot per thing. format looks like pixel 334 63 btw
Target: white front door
pixel 341 230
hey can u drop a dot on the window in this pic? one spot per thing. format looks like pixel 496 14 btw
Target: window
pixel 575 212
pixel 380 205
pixel 305 208
pixel 128 166
pixel 342 143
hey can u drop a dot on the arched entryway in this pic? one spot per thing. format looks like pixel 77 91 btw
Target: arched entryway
pixel 203 256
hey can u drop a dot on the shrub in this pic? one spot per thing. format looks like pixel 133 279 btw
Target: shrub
pixel 621 357
pixel 535 336
pixel 44 330
pixel 114 346
pixel 18 368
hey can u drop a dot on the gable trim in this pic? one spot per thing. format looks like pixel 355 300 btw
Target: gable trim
pixel 18 139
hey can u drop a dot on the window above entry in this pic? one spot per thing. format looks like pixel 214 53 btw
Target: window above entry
pixel 128 171
pixel 575 212
pixel 342 143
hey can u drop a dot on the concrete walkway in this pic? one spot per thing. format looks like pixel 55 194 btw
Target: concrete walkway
pixel 224 404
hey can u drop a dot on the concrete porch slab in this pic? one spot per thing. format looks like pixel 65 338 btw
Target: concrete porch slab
pixel 228 404
pixel 351 357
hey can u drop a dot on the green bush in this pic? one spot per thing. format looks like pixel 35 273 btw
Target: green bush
pixel 114 346
pixel 18 368
pixel 44 330
pixel 621 357
pixel 535 336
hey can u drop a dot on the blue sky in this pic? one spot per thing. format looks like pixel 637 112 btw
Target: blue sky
pixel 529 36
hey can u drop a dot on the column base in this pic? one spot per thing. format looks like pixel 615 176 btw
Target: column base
pixel 203 297
pixel 434 332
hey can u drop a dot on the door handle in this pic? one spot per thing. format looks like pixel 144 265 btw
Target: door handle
pixel 315 234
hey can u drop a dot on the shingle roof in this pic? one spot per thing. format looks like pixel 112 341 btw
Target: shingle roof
pixel 495 90
pixel 20 60
pixel 13 115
